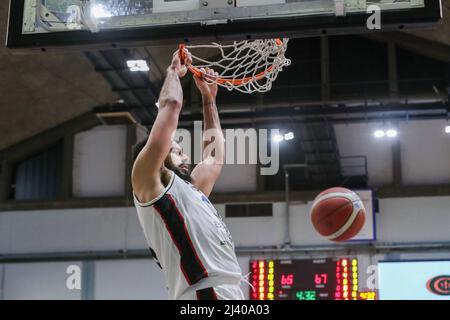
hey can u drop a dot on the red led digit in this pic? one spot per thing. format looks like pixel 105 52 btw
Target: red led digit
pixel 287 279
pixel 321 278
pixel 317 279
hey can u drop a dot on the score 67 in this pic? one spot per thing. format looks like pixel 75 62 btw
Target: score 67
pixel 321 278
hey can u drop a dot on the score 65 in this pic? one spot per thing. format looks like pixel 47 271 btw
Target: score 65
pixel 287 279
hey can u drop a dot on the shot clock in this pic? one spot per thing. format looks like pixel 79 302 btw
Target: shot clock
pixel 316 279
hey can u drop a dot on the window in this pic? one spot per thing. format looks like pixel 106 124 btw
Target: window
pixel 38 177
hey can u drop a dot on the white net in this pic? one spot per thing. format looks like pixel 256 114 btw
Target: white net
pixel 246 66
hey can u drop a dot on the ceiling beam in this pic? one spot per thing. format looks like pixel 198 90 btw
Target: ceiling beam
pixel 428 48
pixel 333 114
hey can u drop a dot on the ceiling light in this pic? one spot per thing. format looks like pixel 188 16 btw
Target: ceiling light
pixel 278 138
pixel 138 65
pixel 379 134
pixel 392 133
pixel 447 129
pixel 98 11
pixel 289 136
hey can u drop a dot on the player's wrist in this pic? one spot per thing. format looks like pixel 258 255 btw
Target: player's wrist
pixel 208 99
pixel 172 70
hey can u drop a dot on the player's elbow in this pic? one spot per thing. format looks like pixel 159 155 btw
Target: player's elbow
pixel 215 164
pixel 171 103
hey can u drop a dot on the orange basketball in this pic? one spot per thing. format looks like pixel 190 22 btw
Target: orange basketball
pixel 338 214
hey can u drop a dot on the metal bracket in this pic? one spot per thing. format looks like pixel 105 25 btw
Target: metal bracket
pixel 355 5
pixel 215 4
pixel 86 15
pixel 40 19
pixel 50 22
pixel 342 7
pixel 339 8
pixel 29 16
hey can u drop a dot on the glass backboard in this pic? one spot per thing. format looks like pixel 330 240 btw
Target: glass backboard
pixel 47 24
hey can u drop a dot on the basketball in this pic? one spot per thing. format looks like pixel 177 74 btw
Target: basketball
pixel 338 214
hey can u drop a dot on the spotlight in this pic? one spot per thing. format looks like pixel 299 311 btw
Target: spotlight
pixel 289 136
pixel 98 11
pixel 379 134
pixel 138 65
pixel 447 129
pixel 392 133
pixel 278 138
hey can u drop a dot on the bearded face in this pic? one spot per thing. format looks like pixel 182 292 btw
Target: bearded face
pixel 177 161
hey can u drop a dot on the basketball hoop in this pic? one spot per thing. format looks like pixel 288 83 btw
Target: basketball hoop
pixel 247 66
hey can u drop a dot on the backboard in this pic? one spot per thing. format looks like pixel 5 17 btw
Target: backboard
pixel 45 25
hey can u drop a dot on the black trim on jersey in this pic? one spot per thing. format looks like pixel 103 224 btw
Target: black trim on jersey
pixel 155 258
pixel 206 294
pixel 190 263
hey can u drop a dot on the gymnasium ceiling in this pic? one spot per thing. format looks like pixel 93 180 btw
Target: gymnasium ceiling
pixel 38 92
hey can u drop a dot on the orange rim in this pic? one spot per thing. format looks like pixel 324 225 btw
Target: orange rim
pixel 234 82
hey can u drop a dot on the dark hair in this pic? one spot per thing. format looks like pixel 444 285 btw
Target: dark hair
pixel 137 148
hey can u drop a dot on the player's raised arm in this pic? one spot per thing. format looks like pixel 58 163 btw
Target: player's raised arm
pixel 146 170
pixel 207 172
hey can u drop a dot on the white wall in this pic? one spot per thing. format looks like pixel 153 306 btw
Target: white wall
pixel 129 280
pixel 425 151
pixel 41 281
pixel 414 219
pixel 356 139
pixel 99 162
pixel 236 178
pixel 70 230
pixel 257 231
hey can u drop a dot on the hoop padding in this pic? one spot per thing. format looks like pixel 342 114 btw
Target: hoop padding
pixel 246 66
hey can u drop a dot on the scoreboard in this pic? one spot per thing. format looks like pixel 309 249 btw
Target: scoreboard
pixel 315 279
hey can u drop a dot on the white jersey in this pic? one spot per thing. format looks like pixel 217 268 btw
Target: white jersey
pixel 189 240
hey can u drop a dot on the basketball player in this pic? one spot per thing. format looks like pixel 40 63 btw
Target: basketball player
pixel 186 235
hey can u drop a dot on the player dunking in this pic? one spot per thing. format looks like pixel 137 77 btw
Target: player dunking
pixel 185 233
